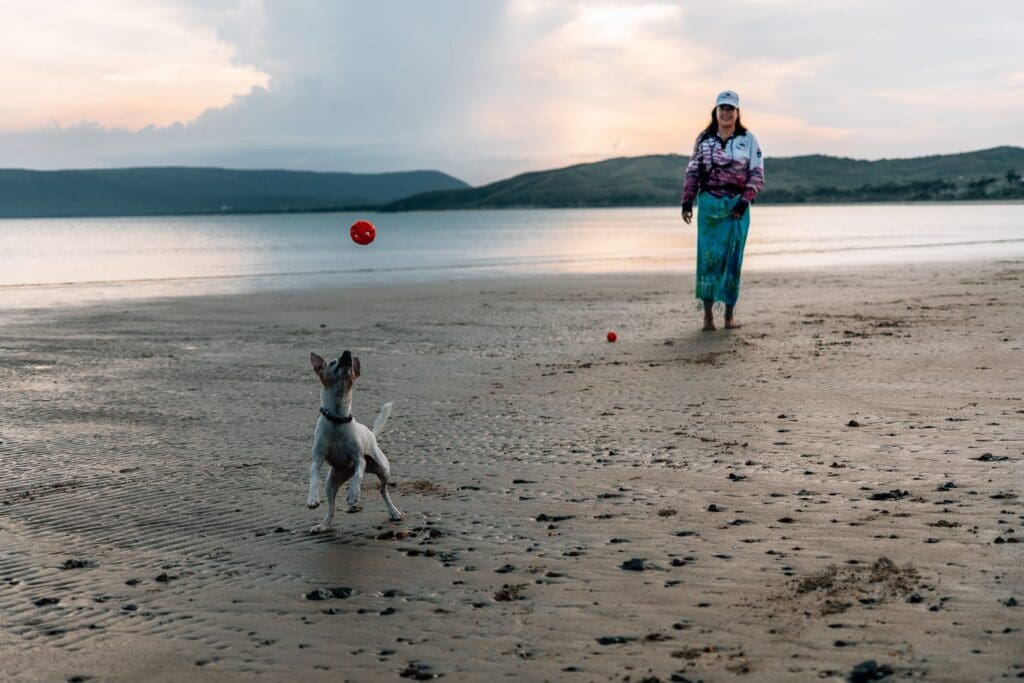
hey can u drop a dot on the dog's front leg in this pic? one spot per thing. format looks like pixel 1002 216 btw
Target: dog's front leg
pixel 333 482
pixel 357 481
pixel 313 499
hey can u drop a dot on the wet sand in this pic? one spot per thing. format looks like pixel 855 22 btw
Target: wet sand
pixel 836 483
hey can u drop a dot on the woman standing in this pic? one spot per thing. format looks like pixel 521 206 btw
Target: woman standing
pixel 724 175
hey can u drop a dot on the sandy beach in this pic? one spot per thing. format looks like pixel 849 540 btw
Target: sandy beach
pixel 831 492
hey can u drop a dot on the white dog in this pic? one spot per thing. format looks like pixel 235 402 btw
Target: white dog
pixel 348 446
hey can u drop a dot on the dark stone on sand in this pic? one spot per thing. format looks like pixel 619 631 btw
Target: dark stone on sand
pixel 523 481
pixel 1012 602
pixel 619 540
pixel 387 611
pixel 79 679
pixel 869 671
pixel 280 530
pixel 678 562
pixel 686 533
pixel 130 608
pixel 418 672
pixel 43 602
pixel 637 564
pixel 77 564
pixel 340 593
pixel 542 517
pixel 615 640
pixel 164 578
pixel 509 593
pixel 988 457
pixel 945 487
pixel 853 423
pixel 678 677
pixel 504 569
pixel 914 598
pixel 999 539
pixel 895 494
pixel 786 520
pixel 714 508
pixel 133 582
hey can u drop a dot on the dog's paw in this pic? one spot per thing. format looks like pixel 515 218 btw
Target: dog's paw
pixel 319 529
pixel 396 516
pixel 352 500
pixel 312 502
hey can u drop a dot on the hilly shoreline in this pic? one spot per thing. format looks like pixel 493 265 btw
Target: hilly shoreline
pixel 993 174
pixel 654 180
pixel 187 190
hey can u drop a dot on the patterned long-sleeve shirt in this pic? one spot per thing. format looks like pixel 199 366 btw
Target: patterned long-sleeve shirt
pixel 733 167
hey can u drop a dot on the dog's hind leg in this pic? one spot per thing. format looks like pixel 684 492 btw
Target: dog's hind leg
pixel 335 478
pixel 379 466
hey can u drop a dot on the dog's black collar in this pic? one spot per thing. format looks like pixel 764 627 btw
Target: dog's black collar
pixel 334 418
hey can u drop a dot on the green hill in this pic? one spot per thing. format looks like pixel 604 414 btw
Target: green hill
pixel 180 190
pixel 657 180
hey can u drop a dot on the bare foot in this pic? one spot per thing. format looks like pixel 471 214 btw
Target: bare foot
pixel 730 324
pixel 709 325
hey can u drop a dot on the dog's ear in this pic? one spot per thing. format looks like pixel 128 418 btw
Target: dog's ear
pixel 318 363
pixel 355 367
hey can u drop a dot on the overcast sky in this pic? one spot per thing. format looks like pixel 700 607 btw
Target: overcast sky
pixel 485 89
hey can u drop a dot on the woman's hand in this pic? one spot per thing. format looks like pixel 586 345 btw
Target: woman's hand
pixel 739 209
pixel 687 213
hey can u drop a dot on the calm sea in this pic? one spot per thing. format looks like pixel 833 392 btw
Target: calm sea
pixel 52 262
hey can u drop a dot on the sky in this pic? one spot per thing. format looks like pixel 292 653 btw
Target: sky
pixel 486 89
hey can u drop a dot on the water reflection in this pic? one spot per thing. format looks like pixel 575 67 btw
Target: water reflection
pixel 45 262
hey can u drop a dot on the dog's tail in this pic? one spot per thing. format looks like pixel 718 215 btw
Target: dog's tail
pixel 382 419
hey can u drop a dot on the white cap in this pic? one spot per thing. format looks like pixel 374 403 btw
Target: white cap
pixel 728 97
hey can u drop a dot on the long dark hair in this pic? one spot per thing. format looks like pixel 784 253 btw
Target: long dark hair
pixel 712 128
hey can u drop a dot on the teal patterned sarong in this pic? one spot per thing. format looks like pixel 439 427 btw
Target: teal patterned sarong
pixel 720 242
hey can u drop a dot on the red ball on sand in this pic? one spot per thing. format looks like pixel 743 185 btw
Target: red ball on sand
pixel 612 336
pixel 362 232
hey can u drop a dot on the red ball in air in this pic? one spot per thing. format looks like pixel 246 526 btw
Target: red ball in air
pixel 612 336
pixel 362 232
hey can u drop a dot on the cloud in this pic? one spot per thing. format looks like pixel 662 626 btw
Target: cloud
pixel 125 64
pixel 487 89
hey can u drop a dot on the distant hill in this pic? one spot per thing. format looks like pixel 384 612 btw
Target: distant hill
pixel 181 190
pixel 657 181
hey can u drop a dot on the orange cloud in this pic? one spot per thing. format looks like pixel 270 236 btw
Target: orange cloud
pixel 119 64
